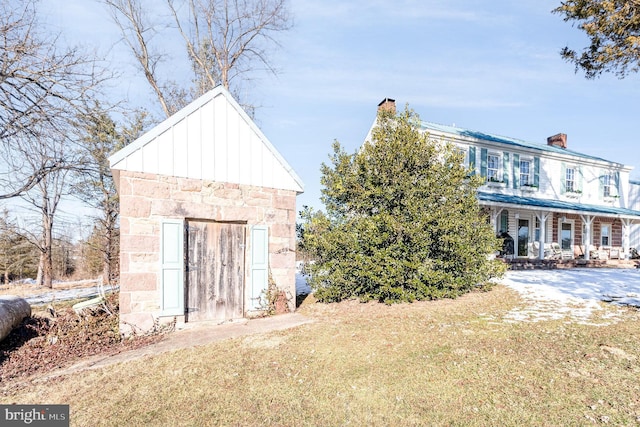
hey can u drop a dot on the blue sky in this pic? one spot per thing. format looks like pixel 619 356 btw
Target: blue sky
pixel 487 66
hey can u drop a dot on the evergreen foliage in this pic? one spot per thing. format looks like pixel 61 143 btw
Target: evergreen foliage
pixel 613 29
pixel 18 257
pixel 402 221
pixel 101 136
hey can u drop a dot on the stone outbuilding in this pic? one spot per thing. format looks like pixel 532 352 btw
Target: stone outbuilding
pixel 207 217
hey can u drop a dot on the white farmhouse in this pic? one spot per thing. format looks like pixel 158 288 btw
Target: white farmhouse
pixel 549 196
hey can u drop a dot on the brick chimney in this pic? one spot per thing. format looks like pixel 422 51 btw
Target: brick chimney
pixel 558 140
pixel 387 104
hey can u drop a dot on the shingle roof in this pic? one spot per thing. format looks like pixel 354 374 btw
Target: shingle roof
pixel 557 205
pixel 505 140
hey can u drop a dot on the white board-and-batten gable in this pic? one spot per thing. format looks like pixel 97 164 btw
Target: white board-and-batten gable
pixel 212 139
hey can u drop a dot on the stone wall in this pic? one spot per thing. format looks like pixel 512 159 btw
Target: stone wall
pixel 147 199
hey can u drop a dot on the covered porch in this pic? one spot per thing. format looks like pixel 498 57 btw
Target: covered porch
pixel 554 230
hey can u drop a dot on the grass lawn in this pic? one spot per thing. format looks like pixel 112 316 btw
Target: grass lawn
pixel 452 362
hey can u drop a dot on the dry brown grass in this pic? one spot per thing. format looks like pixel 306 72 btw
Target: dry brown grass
pixel 452 362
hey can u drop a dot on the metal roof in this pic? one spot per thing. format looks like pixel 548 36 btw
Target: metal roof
pixel 506 140
pixel 557 205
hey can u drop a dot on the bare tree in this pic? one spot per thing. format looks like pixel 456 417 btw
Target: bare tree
pixel 228 38
pixel 41 85
pixel 225 40
pixel 137 33
pixel 46 195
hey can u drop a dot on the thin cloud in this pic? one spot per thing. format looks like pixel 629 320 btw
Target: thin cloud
pixel 380 11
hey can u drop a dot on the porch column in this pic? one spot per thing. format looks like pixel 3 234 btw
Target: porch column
pixel 588 220
pixel 495 213
pixel 626 227
pixel 542 217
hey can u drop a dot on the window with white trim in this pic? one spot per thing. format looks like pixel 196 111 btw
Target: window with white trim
pixel 605 234
pixel 525 173
pixel 608 185
pixel 504 221
pixel 494 162
pixel 570 179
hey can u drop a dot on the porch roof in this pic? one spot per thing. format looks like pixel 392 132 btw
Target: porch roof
pixel 506 200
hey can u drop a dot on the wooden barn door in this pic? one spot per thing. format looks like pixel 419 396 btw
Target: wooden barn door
pixel 215 271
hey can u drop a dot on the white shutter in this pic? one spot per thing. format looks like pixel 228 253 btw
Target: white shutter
pixel 259 264
pixel 172 267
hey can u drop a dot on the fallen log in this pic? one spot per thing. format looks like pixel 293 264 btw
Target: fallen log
pixel 13 310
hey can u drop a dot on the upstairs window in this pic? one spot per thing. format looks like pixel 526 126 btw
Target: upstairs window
pixel 525 173
pixel 493 168
pixel 606 185
pixel 609 183
pixel 570 180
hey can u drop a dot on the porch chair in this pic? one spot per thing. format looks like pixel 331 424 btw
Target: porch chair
pixel 534 250
pixel 555 251
pixel 548 252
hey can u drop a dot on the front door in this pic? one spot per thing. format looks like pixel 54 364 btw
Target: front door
pixel 566 236
pixel 523 237
pixel 215 270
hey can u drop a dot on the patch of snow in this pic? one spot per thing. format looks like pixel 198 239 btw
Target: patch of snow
pixel 66 294
pixel 62 295
pixel 575 294
pixel 24 282
pixel 302 287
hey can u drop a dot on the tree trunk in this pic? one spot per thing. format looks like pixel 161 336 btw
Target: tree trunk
pixel 39 281
pixel 107 253
pixel 13 310
pixel 47 243
pixel 47 271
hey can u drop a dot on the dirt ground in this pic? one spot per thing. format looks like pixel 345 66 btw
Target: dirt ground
pixel 56 341
pixel 56 336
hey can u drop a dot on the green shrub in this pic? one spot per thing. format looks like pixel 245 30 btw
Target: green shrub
pixel 402 220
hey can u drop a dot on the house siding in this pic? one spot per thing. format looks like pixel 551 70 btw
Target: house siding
pixel 548 165
pixel 634 203
pixel 548 174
